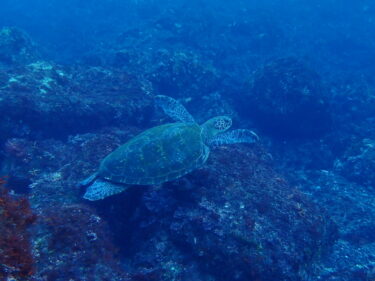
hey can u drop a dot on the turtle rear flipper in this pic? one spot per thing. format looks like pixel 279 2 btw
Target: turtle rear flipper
pixel 174 109
pixel 235 136
pixel 88 180
pixel 101 189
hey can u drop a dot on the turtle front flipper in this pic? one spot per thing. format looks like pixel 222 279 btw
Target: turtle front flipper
pixel 101 189
pixel 235 136
pixel 174 109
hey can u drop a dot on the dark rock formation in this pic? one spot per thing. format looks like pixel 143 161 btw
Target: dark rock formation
pixel 287 99
pixel 358 163
pixel 52 101
pixel 234 219
pixel 16 48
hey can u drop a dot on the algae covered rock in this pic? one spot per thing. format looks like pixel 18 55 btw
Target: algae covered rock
pixel 358 163
pixel 16 47
pixel 235 217
pixel 54 100
pixel 287 99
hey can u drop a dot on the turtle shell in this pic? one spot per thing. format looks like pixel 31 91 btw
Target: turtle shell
pixel 157 155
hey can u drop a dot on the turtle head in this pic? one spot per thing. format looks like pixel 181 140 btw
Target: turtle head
pixel 215 126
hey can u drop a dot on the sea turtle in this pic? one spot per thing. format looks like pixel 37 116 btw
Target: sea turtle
pixel 162 153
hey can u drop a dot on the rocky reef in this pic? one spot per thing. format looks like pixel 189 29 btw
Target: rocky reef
pixel 236 212
pixel 296 206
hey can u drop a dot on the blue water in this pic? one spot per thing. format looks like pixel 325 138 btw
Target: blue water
pixel 289 197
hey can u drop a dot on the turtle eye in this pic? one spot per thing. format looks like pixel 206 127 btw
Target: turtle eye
pixel 223 123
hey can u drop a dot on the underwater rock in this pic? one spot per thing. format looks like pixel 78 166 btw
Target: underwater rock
pixel 183 73
pixel 350 262
pixel 54 101
pixel 44 99
pixel 190 77
pixel 235 219
pixel 16 48
pixel 70 240
pixel 74 243
pixel 250 219
pixel 352 208
pixel 358 163
pixel 16 217
pixel 287 99
pixel 180 72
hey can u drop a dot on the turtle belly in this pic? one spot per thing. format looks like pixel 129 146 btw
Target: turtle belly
pixel 157 155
